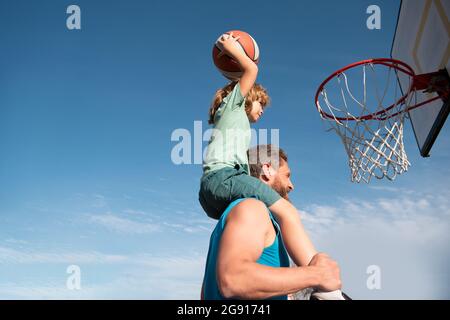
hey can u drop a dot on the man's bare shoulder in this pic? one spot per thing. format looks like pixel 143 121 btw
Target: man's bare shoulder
pixel 250 211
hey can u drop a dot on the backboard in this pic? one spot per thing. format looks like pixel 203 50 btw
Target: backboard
pixel 422 40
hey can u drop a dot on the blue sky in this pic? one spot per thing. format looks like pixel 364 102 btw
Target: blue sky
pixel 86 175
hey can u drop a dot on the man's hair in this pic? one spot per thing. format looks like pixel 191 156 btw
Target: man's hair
pixel 264 154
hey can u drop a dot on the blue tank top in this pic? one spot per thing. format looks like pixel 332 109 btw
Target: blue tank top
pixel 273 256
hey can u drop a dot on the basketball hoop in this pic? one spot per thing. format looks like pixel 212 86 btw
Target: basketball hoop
pixel 370 128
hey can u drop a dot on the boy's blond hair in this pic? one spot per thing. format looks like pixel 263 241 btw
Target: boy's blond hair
pixel 256 93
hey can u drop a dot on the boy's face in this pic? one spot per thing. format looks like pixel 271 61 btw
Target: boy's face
pixel 256 112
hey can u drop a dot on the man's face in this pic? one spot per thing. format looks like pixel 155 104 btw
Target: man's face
pixel 281 181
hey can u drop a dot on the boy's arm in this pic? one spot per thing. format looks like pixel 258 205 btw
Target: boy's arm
pixel 249 68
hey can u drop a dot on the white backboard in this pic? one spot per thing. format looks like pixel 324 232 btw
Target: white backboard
pixel 422 40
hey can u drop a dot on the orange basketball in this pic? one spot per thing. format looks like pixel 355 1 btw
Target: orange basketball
pixel 226 65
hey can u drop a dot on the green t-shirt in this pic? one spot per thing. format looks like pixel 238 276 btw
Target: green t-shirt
pixel 231 134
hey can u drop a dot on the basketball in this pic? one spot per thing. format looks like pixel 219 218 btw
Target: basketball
pixel 226 65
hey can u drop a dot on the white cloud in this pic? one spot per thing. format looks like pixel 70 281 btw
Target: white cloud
pixel 14 256
pixel 135 212
pixel 384 188
pixel 407 235
pixel 142 284
pixel 16 241
pixel 99 201
pixel 122 225
pixel 32 291
pixel 192 227
pixel 135 276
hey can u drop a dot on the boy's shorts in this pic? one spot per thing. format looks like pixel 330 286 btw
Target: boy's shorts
pixel 221 187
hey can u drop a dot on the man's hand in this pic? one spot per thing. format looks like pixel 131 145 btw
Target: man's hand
pixel 328 272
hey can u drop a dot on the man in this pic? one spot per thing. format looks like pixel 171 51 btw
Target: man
pixel 247 258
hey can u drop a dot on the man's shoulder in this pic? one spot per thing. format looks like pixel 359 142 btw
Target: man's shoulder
pixel 249 210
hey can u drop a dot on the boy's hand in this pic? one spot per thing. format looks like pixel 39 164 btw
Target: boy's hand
pixel 227 44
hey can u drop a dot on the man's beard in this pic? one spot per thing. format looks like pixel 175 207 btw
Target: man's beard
pixel 278 187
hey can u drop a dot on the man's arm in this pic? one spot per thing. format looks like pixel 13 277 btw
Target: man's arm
pixel 239 276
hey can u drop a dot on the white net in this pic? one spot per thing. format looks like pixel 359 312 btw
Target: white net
pixel 368 117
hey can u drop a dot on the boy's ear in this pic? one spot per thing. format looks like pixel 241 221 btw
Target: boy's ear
pixel 267 171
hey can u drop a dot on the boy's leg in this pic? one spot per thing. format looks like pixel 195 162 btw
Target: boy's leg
pixel 295 238
pixel 210 211
pixel 214 194
pixel 244 186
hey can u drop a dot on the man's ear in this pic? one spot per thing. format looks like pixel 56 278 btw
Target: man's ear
pixel 267 171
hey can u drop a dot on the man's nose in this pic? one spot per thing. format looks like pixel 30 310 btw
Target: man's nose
pixel 290 186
